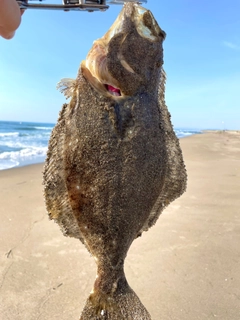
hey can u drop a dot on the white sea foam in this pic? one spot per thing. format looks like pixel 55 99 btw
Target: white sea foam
pixel 15 158
pixel 181 133
pixel 43 128
pixel 9 134
pixel 23 143
pixel 8 164
pixel 27 143
pixel 23 154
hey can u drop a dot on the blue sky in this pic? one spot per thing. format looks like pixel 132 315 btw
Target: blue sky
pixel 201 59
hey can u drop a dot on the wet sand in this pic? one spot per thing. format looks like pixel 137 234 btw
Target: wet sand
pixel 187 267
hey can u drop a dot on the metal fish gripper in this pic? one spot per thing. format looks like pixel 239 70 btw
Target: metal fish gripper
pixel 74 5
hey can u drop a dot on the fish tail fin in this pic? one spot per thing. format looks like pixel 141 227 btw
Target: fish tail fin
pixel 120 303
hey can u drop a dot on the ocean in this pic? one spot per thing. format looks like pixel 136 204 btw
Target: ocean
pixel 23 143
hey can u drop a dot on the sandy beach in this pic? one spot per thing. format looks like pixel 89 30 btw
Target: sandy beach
pixel 187 267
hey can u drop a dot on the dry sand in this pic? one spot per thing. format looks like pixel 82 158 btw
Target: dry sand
pixel 187 267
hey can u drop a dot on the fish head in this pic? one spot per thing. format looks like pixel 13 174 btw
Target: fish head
pixel 129 57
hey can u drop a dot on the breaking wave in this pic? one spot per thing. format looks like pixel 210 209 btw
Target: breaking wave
pixel 23 143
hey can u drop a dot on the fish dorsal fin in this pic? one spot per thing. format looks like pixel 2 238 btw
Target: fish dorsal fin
pixel 67 86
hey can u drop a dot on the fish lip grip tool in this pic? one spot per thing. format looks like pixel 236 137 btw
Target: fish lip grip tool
pixel 74 5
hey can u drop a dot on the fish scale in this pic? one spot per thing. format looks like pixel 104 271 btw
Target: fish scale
pixel 114 162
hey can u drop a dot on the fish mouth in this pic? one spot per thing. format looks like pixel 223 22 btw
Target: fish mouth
pixel 95 70
pixel 108 88
pixel 113 91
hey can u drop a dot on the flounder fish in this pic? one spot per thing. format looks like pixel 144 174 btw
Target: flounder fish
pixel 114 162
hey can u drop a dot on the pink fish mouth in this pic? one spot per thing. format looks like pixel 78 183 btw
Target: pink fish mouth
pixel 113 91
pixel 96 71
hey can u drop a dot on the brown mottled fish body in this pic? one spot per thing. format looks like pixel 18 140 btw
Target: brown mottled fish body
pixel 114 161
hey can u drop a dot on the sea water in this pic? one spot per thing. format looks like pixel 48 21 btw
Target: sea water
pixel 23 143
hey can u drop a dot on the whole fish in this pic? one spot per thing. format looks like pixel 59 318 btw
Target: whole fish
pixel 114 162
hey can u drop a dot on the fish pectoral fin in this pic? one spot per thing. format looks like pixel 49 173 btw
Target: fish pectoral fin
pixel 67 86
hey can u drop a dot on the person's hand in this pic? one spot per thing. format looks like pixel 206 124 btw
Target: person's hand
pixel 10 18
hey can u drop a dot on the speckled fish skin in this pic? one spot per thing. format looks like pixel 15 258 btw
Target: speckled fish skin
pixel 114 162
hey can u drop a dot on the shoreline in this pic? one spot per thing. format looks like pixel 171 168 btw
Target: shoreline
pixel 197 133
pixel 10 158
pixel 23 166
pixel 184 267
